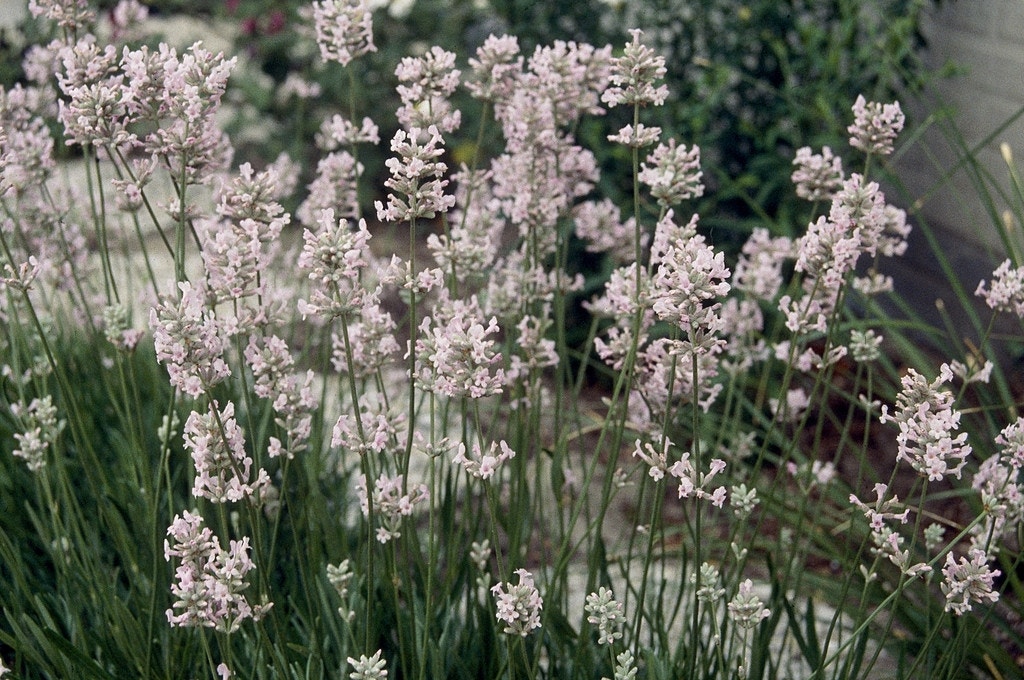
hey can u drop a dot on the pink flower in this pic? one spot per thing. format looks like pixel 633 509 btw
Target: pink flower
pixel 1006 292
pixel 697 484
pixel 470 246
pixel 634 74
pixel 71 15
pixel 390 504
pixel 335 188
pixel 426 84
pixel 339 131
pixel 455 352
pixel 223 467
pixel 481 464
pixel 875 126
pixel 570 77
pixel 374 432
pixel 209 581
pixel 39 429
pixel 600 223
pixel 344 29
pixel 336 257
pixel 656 460
pixel 292 396
pixel 495 69
pixel 183 94
pixel 416 177
pixel 26 146
pixel 967 582
pixel 188 340
pixel 817 176
pixel 96 111
pixel 371 337
pixel 518 605
pixel 689 280
pixel 673 173
pixel 758 272
pixel 927 422
pixel 639 136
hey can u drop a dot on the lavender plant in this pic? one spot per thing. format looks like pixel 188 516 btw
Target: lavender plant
pixel 259 483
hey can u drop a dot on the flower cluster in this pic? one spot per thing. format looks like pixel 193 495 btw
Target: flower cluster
pixel 390 503
pixel 426 83
pixel 746 609
pixel 927 422
pixel 40 428
pixel 182 95
pixel 606 613
pixel 373 432
pixel 483 465
pixel 70 15
pixel 417 187
pixel 875 126
pixel 468 250
pixel 829 250
pixel 888 542
pixel 368 668
pixel 98 103
pixel 217 446
pixel 340 577
pixel 634 74
pixel 239 246
pixel 1006 292
pixel 543 170
pixel 344 29
pixel 818 176
pixel 708 582
pixel 292 397
pixel 456 353
pixel 188 339
pixel 689 279
pixel 336 257
pixel 495 68
pixel 673 173
pixel 371 341
pixel 600 224
pixel 333 188
pixel 210 582
pixel 519 605
pixel 697 484
pixel 997 480
pixel 968 581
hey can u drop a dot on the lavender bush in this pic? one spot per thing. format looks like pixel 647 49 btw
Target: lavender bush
pixel 265 447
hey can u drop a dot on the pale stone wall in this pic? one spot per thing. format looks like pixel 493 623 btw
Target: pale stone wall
pixel 986 39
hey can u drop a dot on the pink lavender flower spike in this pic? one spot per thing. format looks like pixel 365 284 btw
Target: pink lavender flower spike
pixel 928 422
pixel 875 126
pixel 519 605
pixel 223 468
pixel 209 582
pixel 417 187
pixel 426 85
pixel 968 582
pixel 634 74
pixel 1006 292
pixel 818 176
pixel 495 69
pixel 188 340
pixel 344 29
